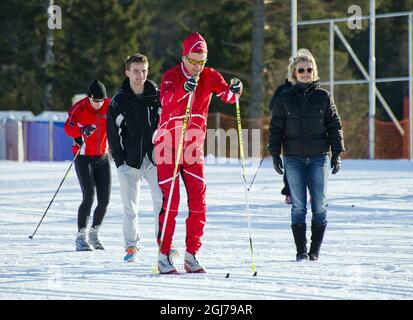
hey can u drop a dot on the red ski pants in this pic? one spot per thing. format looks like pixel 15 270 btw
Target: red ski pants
pixel 193 177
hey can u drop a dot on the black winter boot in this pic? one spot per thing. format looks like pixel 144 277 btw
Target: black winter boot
pixel 317 235
pixel 300 240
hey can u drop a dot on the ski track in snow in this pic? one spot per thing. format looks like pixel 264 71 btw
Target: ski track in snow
pixel 367 252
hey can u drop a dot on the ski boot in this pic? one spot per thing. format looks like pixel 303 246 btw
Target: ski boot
pixel 192 265
pixel 81 242
pixel 94 238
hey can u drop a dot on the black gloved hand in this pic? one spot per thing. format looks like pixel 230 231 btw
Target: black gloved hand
pixel 335 163
pixel 190 85
pixel 236 85
pixel 88 130
pixel 278 163
pixel 79 141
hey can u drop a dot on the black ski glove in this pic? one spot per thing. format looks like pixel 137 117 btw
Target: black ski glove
pixel 190 85
pixel 278 163
pixel 88 130
pixel 335 163
pixel 79 141
pixel 236 85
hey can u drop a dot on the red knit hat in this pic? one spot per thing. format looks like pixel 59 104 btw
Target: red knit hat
pixel 194 43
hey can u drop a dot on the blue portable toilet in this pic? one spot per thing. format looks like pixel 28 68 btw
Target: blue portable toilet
pixel 37 141
pixel 14 140
pixel 12 134
pixel 62 143
pixel 3 154
pixel 59 145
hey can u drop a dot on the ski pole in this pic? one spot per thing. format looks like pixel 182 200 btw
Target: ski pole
pixel 67 172
pixel 241 146
pixel 44 214
pixel 256 172
pixel 178 156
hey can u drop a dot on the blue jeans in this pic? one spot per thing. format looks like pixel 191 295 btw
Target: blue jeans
pixel 311 172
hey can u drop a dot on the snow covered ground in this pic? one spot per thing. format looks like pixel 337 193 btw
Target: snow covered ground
pixel 367 253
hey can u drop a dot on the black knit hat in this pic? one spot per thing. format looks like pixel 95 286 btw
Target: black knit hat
pixel 97 90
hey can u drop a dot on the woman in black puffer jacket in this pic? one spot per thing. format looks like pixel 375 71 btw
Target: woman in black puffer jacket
pixel 306 125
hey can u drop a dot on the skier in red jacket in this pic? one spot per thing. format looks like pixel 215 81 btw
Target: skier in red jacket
pixel 86 124
pixel 190 75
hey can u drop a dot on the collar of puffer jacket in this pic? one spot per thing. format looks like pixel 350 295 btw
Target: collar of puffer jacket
pixel 305 88
pixel 149 89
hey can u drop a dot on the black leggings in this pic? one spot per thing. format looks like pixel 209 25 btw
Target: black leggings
pixel 93 171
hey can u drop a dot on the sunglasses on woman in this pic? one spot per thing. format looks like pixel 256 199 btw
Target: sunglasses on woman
pixel 194 62
pixel 302 70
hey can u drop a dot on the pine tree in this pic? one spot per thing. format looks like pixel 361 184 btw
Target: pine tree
pixel 97 38
pixel 22 54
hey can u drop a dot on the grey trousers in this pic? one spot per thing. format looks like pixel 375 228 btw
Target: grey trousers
pixel 130 182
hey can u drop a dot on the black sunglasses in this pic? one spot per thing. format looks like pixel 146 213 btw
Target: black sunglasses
pixel 98 100
pixel 302 70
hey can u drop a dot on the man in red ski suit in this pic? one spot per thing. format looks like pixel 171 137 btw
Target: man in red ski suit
pixel 190 75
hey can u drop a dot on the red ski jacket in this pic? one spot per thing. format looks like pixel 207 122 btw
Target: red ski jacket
pixel 83 114
pixel 174 100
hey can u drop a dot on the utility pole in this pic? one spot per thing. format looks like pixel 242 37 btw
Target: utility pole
pixel 257 92
pixel 372 81
pixel 293 27
pixel 48 61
